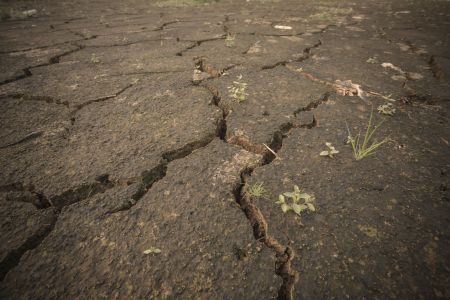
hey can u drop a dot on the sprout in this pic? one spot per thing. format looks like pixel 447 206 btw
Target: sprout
pixel 295 204
pixel 330 152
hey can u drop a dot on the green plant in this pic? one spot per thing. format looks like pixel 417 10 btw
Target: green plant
pixel 330 152
pixel 13 12
pixel 152 250
pixel 372 60
pixel 387 109
pixel 94 59
pixel 229 40
pixel 294 204
pixel 257 190
pixel 237 90
pixel 362 149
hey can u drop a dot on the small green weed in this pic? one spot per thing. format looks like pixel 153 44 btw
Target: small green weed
pixel 229 40
pixel 294 204
pixel 95 59
pixel 387 109
pixel 152 250
pixel 372 60
pixel 86 34
pixel 330 152
pixel 237 90
pixel 9 12
pixel 362 149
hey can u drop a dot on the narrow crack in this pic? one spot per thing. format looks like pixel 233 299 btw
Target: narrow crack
pixel 128 43
pixel 279 135
pixel 188 148
pixel 150 177
pixel 19 194
pixel 100 99
pixel 29 49
pixel 12 259
pixel 192 46
pixel 305 55
pixel 164 25
pixel 203 67
pixel 27 138
pixel 101 184
pixel 314 104
pixel 83 36
pixel 221 131
pixel 28 97
pixel 16 78
pixel 147 73
pixel 56 59
pixel 435 68
pixel 52 60
pixel 197 44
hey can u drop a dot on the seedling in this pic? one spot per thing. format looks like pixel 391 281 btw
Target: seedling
pixel 362 149
pixel 294 202
pixel 387 109
pixel 372 60
pixel 330 152
pixel 152 250
pixel 237 90
pixel 87 35
pixel 95 59
pixel 229 40
pixel 257 190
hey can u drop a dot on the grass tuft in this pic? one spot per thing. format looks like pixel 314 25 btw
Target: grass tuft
pixel 365 147
pixel 257 190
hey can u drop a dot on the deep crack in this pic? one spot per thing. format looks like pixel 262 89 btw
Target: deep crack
pixel 101 184
pixel 284 255
pixel 221 131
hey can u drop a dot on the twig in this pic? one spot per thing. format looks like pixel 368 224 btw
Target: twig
pixel 273 152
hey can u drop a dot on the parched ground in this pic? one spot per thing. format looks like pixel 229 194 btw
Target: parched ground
pixel 129 165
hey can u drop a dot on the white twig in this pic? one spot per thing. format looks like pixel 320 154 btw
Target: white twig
pixel 273 152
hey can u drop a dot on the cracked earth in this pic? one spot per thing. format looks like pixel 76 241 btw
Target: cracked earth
pixel 126 164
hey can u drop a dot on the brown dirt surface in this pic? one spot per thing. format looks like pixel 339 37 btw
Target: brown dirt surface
pixel 135 135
